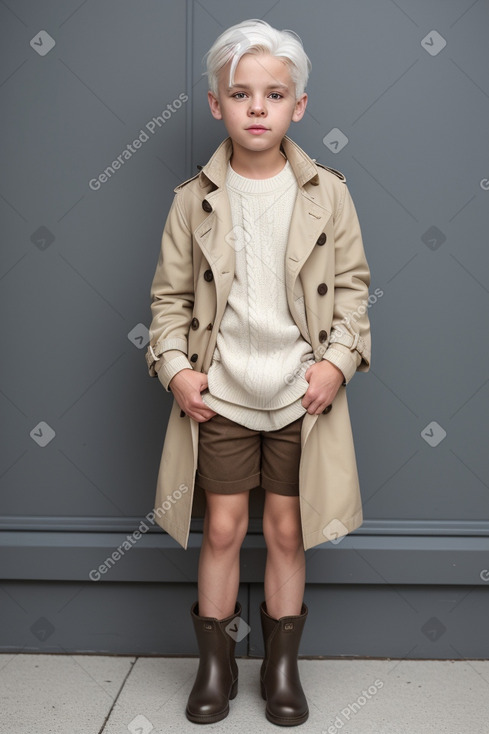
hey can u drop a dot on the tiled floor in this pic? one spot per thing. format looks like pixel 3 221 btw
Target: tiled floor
pixel 96 694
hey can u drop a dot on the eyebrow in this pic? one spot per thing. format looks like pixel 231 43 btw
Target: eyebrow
pixel 278 85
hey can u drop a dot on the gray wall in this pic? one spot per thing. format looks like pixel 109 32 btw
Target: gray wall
pixel 82 422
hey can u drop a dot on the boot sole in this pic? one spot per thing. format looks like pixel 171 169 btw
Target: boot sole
pixel 212 718
pixel 281 720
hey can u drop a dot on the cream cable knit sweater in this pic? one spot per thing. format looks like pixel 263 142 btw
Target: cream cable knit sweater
pixel 257 373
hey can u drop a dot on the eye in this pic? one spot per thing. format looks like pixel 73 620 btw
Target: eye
pixel 239 95
pixel 276 95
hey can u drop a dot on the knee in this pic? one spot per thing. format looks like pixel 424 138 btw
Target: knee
pixel 283 534
pixel 225 532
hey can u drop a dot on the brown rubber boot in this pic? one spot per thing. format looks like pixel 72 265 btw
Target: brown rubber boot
pixel 217 675
pixel 279 676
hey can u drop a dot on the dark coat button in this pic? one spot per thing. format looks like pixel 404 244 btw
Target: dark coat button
pixel 321 239
pixel 322 289
pixel 206 206
pixel 194 357
pixel 323 335
pixel 327 409
pixel 194 323
pixel 209 327
pixel 208 276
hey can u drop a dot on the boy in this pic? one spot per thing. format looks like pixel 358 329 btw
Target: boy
pixel 257 328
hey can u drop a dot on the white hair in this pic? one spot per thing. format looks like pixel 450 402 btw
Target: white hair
pixel 252 37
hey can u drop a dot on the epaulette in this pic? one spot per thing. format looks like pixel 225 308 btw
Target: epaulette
pixel 340 175
pixel 184 183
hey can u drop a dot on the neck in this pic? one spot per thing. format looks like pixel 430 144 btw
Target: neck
pixel 257 164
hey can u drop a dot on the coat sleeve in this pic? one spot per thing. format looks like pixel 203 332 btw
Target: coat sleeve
pixel 172 298
pixel 350 343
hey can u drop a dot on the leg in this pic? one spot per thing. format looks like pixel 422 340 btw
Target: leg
pixel 285 571
pixel 225 526
pixel 283 612
pixel 228 467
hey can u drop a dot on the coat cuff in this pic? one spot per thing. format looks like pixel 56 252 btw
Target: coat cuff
pixel 344 359
pixel 154 352
pixel 169 369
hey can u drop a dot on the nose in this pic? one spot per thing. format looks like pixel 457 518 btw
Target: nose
pixel 257 107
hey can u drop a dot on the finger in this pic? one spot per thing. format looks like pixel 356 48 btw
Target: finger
pixel 202 417
pixel 196 415
pixel 316 407
pixel 204 382
pixel 309 397
pixel 198 407
pixel 201 406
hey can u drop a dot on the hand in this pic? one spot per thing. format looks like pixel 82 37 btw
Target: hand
pixel 186 387
pixel 325 379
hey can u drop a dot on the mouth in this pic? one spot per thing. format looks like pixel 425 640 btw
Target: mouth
pixel 257 129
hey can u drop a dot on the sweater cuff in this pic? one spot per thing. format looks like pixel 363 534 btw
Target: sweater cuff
pixel 344 359
pixel 169 369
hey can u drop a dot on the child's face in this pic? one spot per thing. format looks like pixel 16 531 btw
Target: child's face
pixel 263 94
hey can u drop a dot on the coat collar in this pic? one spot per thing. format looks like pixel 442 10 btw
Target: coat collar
pixel 302 166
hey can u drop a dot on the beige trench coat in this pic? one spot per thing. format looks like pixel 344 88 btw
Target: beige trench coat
pixel 189 292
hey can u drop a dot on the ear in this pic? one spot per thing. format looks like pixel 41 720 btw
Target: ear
pixel 214 105
pixel 300 108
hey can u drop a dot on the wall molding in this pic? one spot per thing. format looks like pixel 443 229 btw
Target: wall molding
pixel 70 555
pixel 108 524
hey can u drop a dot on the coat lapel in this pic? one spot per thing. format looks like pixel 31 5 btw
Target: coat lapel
pixel 215 238
pixel 308 221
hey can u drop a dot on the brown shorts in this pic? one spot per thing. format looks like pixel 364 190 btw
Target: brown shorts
pixel 233 458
